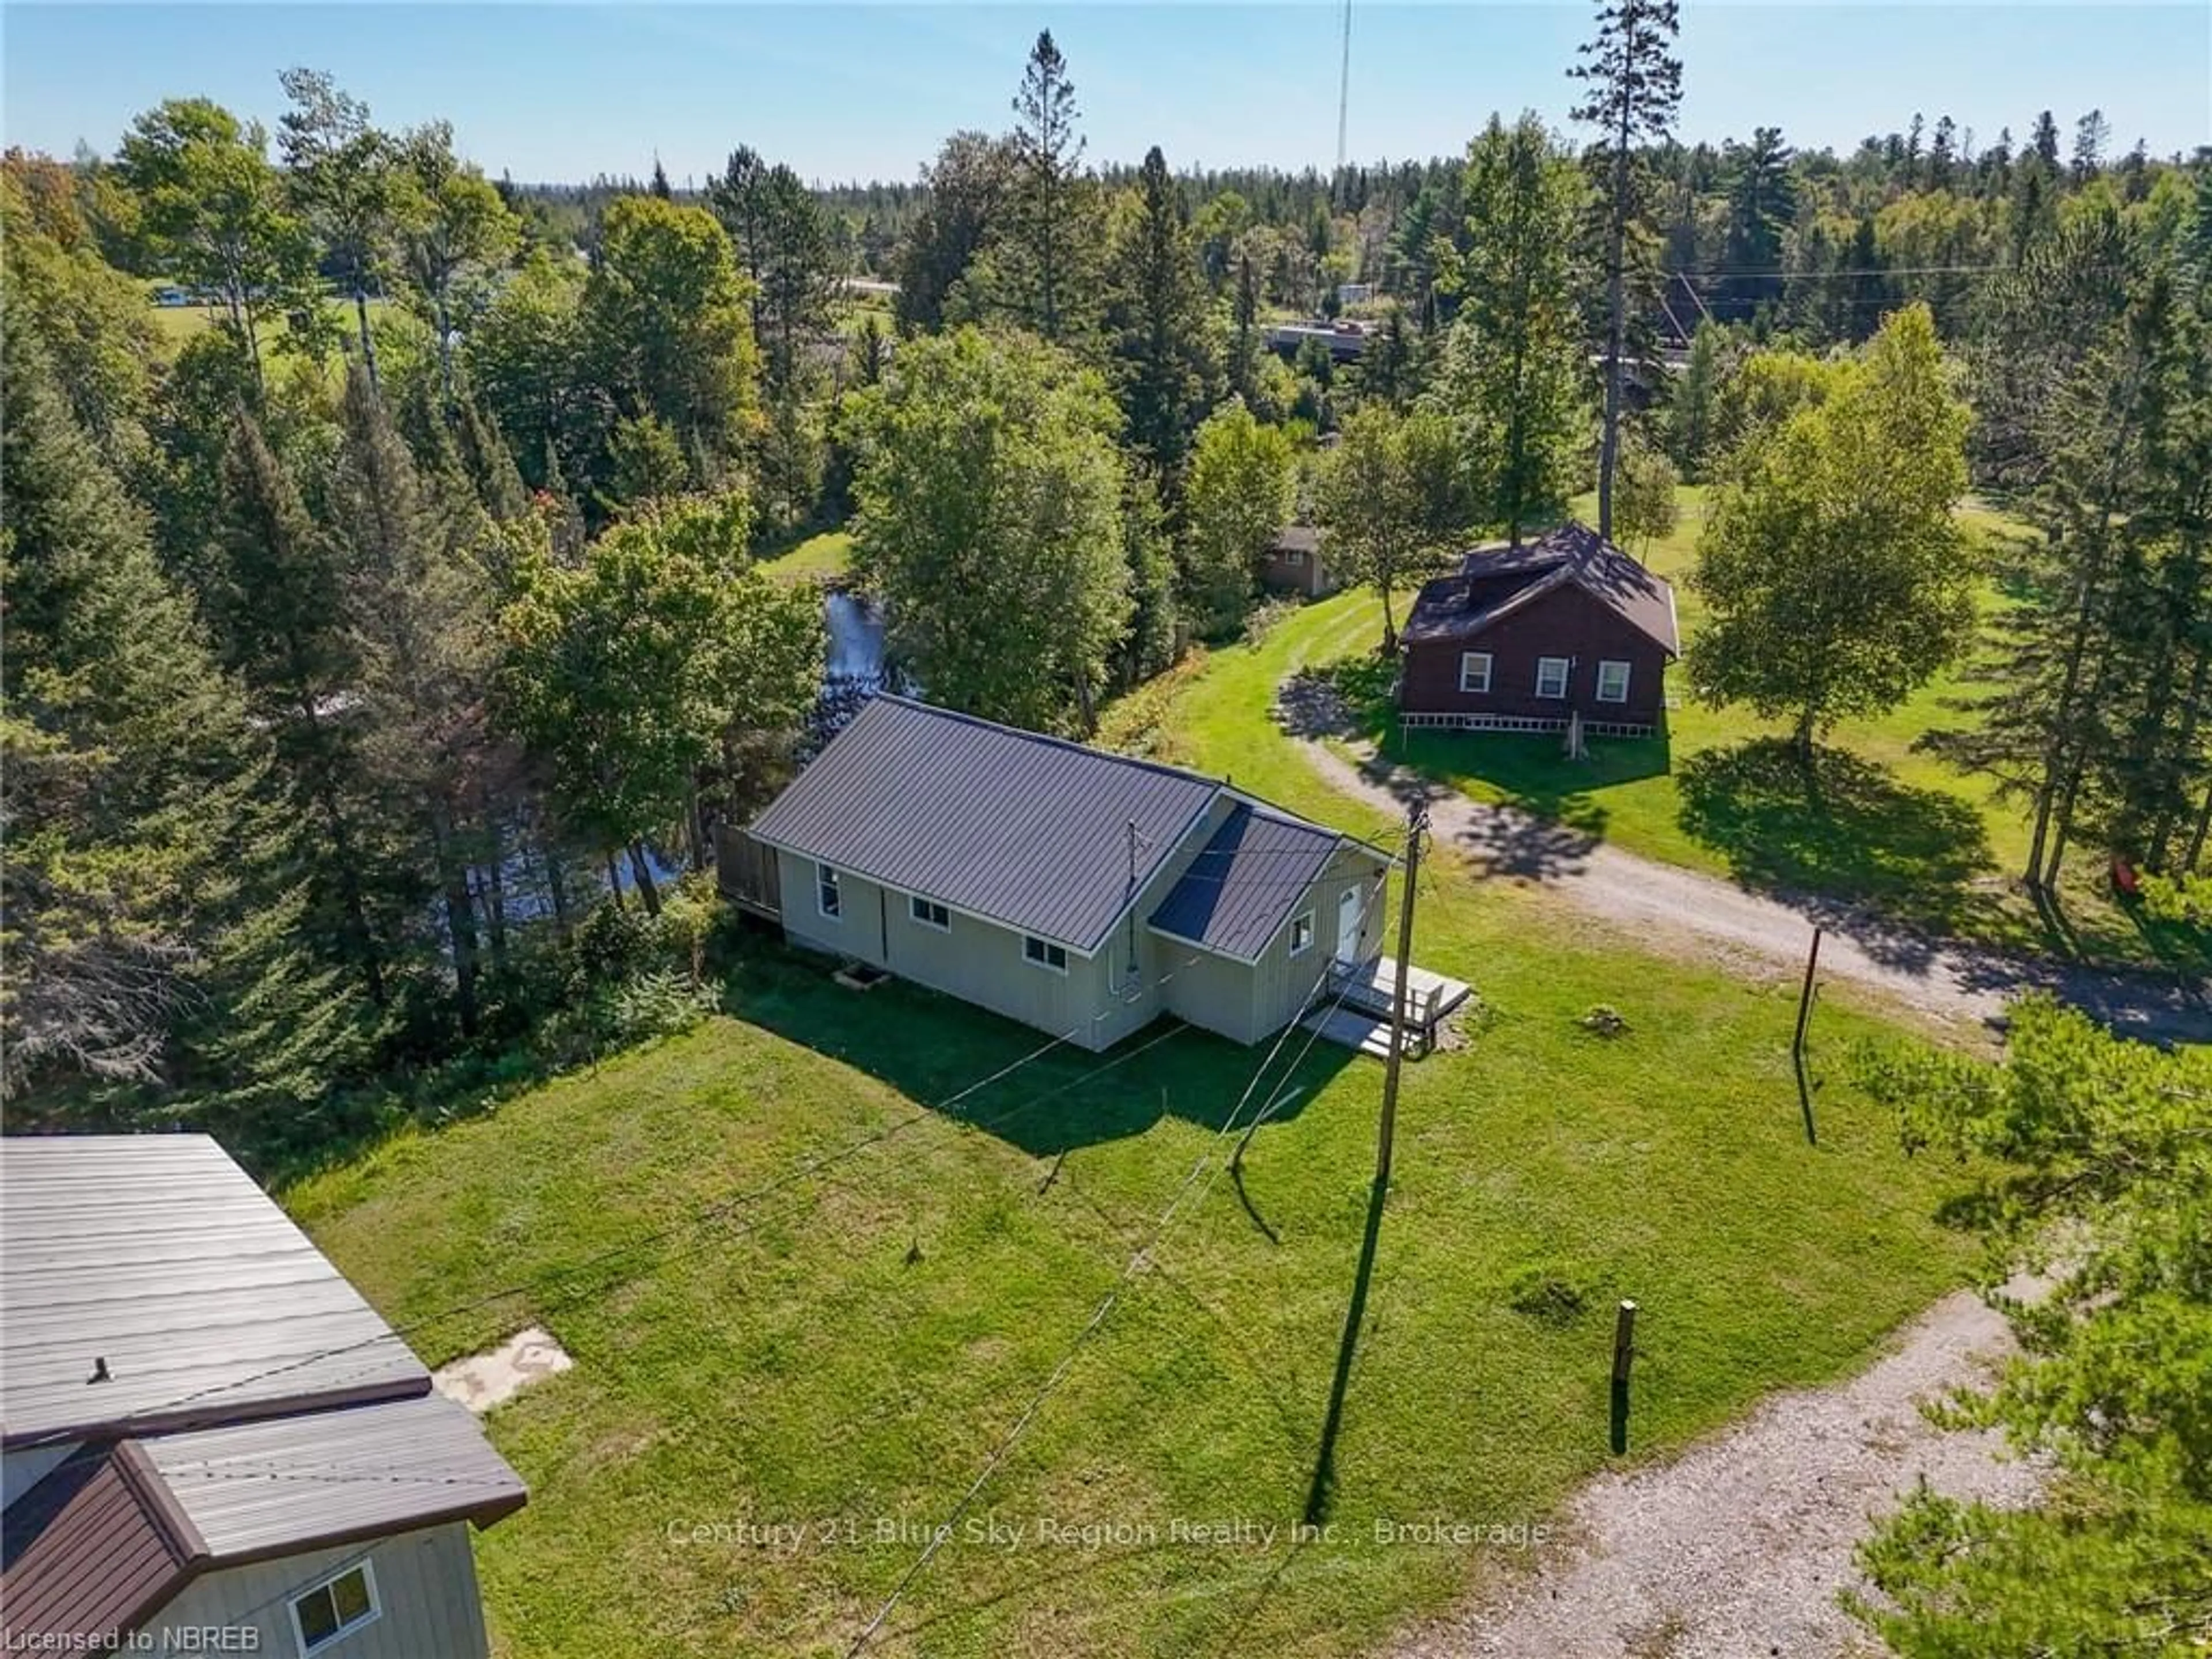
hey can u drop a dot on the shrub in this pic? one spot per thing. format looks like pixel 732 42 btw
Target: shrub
pixel 653 1004
pixel 1604 1020
pixel 1549 1296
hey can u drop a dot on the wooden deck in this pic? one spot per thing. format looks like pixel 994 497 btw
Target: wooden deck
pixel 1360 997
pixel 746 873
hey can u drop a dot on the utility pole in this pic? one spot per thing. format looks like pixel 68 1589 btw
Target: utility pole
pixel 1343 89
pixel 1324 1474
pixel 1417 824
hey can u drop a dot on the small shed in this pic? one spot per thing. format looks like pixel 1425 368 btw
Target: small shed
pixel 1293 563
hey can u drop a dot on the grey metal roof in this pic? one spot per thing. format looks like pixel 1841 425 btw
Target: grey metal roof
pixel 294 1483
pixel 1253 872
pixel 1028 831
pixel 1495 582
pixel 160 1255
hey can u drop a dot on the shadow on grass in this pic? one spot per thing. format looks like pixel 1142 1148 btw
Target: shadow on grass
pixel 935 1048
pixel 1321 1493
pixel 1553 815
pixel 1844 833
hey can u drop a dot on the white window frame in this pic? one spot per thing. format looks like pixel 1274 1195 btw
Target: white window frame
pixel 1605 663
pixel 829 893
pixel 1466 660
pixel 1305 921
pixel 918 910
pixel 367 1569
pixel 1043 955
pixel 1567 665
pixel 1295 557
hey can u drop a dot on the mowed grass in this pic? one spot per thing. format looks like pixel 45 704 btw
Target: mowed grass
pixel 848 1351
pixel 1892 825
pixel 177 326
pixel 823 557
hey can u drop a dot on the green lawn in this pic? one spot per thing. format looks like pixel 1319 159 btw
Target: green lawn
pixel 853 1348
pixel 177 324
pixel 1891 824
pixel 823 556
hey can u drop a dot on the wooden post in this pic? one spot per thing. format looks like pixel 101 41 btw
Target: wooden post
pixel 1417 820
pixel 1624 1350
pixel 1797 1042
pixel 1805 995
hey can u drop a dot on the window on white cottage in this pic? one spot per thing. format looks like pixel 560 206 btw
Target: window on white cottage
pixel 334 1607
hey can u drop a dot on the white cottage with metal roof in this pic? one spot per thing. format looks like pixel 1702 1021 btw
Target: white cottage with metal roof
pixel 211 1443
pixel 1081 892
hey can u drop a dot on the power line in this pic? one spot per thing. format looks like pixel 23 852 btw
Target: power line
pixel 547 1290
pixel 1106 1304
pixel 1716 273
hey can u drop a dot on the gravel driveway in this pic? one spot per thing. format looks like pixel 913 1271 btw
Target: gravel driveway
pixel 1945 980
pixel 1736 1550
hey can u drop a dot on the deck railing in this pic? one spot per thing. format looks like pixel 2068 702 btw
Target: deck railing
pixel 1372 986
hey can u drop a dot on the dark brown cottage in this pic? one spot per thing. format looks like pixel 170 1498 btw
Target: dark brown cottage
pixel 1521 639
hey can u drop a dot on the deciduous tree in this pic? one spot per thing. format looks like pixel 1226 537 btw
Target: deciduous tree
pixel 453 226
pixel 625 674
pixel 1837 578
pixel 1394 497
pixel 990 520
pixel 1241 492
pixel 664 320
pixel 214 213
pixel 1647 510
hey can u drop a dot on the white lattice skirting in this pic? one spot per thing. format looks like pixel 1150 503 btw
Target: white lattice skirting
pixel 1522 723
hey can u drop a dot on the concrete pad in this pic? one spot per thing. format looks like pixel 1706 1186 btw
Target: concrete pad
pixel 484 1380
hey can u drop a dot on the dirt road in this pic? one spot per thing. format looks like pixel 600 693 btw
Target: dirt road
pixel 1738 1548
pixel 1946 981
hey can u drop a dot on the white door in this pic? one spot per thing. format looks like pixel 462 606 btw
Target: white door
pixel 1349 912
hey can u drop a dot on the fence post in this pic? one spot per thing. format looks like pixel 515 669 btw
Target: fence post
pixel 1624 1350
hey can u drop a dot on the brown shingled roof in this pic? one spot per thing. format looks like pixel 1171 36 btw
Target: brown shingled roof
pixel 1495 582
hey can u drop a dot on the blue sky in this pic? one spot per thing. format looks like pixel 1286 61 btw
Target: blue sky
pixel 565 91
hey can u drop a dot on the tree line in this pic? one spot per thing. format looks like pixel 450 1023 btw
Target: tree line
pixel 422 487
pixel 345 763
